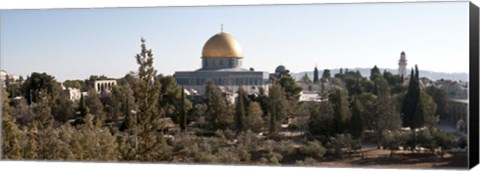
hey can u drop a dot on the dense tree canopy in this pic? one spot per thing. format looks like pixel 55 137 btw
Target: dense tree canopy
pixel 40 81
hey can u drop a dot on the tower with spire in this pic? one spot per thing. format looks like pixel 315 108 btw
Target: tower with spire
pixel 402 65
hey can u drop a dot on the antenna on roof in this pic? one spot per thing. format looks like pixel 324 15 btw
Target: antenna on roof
pixel 221 28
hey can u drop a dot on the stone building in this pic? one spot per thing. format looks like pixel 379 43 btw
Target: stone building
pixel 222 63
pixel 104 86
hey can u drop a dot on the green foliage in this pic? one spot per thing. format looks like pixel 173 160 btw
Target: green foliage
pixel 321 121
pixel 95 106
pixel 277 108
pixel 305 79
pixel 292 92
pixel 63 109
pixel 444 140
pixel 393 140
pixel 11 135
pixel 375 73
pixel 308 161
pixel 425 113
pixel 326 74
pixel 410 102
pixel 40 82
pixel 171 99
pixel 313 149
pixel 149 145
pixel 241 110
pixel 356 123
pixel 254 120
pixel 78 84
pixel 385 115
pixel 368 101
pixel 183 112
pixel 342 115
pixel 218 110
pixel 338 142
pixel 462 142
pixel 441 100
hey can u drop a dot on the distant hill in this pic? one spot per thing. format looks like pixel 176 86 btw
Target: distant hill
pixel 366 73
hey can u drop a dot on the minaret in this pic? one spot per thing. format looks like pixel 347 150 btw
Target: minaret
pixel 402 65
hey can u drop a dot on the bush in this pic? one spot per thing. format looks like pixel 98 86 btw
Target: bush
pixel 462 142
pixel 313 149
pixel 308 162
pixel 227 155
pixel 340 141
pixel 284 147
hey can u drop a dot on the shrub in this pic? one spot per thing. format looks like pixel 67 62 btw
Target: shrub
pixel 308 162
pixel 284 147
pixel 462 142
pixel 313 149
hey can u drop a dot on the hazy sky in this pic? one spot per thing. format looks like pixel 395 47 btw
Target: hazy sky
pixel 76 43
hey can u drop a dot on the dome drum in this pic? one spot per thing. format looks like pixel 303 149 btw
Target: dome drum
pixel 221 63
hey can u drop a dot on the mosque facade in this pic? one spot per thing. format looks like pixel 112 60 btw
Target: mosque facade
pixel 222 59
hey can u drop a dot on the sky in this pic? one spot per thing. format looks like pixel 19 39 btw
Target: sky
pixel 77 43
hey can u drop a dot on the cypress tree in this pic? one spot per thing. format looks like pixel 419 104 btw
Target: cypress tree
pixel 240 110
pixel 315 75
pixel 183 113
pixel 277 108
pixel 410 102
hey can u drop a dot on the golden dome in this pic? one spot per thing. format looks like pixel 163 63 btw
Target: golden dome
pixel 222 45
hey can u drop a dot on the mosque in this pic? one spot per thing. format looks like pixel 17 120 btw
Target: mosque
pixel 222 63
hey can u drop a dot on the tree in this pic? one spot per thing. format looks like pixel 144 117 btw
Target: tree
pixel 11 135
pixel 171 99
pixel 315 75
pixel 410 102
pixel 342 115
pixel 254 120
pixel 321 120
pixel 375 73
pixel 386 117
pixel 356 123
pixel 183 113
pixel 368 102
pixel 149 145
pixel 21 112
pixel 443 140
pixel 441 100
pixel 425 113
pixel 83 106
pixel 121 98
pixel 37 82
pixel 305 79
pixel 277 108
pixel 241 110
pixel 218 112
pixel 44 123
pixel 78 84
pixel 63 109
pixel 95 106
pixel 326 74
